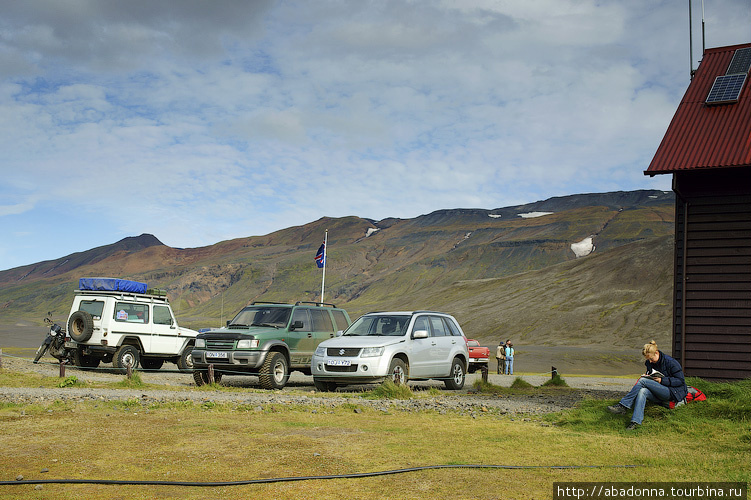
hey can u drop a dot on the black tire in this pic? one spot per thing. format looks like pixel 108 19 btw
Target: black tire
pixel 185 361
pixel 126 354
pixel 201 377
pixel 322 386
pixel 80 326
pixel 398 371
pixel 151 363
pixel 84 361
pixel 455 380
pixel 40 352
pixel 274 372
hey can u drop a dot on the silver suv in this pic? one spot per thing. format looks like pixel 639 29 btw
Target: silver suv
pixel 402 346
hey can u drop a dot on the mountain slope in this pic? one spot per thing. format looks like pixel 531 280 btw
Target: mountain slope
pixel 462 261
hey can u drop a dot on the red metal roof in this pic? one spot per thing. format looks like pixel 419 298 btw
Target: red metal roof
pixel 707 137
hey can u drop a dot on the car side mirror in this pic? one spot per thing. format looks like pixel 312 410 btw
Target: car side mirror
pixel 296 325
pixel 339 333
pixel 420 334
pixel 227 325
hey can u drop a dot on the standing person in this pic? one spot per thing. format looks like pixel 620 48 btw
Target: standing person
pixel 509 357
pixel 500 356
pixel 662 382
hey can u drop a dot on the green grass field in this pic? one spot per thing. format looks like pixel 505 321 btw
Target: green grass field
pixel 206 442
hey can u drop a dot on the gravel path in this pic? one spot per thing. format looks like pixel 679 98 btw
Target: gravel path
pixel 300 391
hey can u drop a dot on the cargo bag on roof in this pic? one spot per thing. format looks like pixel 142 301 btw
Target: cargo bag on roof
pixel 111 285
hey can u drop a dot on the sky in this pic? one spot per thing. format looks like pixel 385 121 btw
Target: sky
pixel 199 121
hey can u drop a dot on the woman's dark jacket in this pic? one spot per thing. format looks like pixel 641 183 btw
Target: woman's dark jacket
pixel 673 378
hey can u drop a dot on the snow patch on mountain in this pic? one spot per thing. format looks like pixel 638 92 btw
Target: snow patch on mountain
pixel 530 215
pixel 584 247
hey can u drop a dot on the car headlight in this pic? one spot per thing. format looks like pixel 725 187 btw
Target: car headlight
pixel 247 343
pixel 320 351
pixel 201 343
pixel 372 352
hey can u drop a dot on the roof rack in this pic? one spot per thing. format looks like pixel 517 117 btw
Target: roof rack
pixel 317 304
pixel 119 293
pixel 268 302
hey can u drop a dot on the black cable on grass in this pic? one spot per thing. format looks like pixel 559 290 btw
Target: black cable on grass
pixel 305 478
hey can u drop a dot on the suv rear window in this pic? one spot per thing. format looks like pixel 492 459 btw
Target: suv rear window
pixel 131 313
pixel 341 320
pixel 439 330
pixel 93 307
pixel 453 328
pixel 321 321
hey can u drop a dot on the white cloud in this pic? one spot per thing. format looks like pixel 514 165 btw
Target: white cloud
pixel 218 120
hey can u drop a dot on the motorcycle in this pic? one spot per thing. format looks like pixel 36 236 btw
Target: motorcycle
pixel 55 343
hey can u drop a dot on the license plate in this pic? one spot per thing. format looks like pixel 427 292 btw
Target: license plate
pixel 216 354
pixel 338 362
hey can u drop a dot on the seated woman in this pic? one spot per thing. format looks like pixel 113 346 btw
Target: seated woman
pixel 669 385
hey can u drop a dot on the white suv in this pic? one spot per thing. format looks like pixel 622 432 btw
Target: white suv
pixel 402 346
pixel 118 321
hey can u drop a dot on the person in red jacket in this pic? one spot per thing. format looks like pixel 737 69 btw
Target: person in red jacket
pixel 663 382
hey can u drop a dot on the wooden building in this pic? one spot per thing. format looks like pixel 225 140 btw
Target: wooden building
pixel 707 149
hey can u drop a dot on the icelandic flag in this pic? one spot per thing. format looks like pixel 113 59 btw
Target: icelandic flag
pixel 321 256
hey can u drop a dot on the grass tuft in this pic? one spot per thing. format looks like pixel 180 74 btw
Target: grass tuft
pixel 71 381
pixel 556 381
pixel 520 383
pixel 390 390
pixel 134 382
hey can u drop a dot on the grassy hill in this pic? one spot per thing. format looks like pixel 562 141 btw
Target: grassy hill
pixel 508 271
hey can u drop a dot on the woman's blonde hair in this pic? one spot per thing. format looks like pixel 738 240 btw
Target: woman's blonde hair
pixel 649 349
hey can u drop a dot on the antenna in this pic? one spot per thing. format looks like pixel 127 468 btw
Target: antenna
pixel 690 42
pixel 691 37
pixel 703 47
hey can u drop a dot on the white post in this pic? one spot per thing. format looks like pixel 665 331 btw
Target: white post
pixel 325 249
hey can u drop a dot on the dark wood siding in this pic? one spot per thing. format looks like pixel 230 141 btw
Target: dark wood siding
pixel 712 294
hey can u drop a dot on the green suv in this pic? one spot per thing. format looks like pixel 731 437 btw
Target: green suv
pixel 267 339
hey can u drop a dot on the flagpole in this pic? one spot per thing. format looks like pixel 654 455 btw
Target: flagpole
pixel 325 248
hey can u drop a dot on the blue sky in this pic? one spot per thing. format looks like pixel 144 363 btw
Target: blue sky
pixel 204 121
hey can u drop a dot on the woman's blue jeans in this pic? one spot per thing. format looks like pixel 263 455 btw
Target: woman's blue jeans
pixel 509 366
pixel 644 390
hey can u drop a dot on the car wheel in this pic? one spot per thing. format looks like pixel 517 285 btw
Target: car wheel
pixel 322 386
pixel 185 361
pixel 84 361
pixel 124 356
pixel 398 372
pixel 80 326
pixel 274 373
pixel 456 376
pixel 202 377
pixel 152 363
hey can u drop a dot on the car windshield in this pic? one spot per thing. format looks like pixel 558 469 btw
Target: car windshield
pixel 473 343
pixel 275 317
pixel 377 325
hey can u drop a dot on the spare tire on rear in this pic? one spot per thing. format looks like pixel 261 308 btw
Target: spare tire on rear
pixel 80 326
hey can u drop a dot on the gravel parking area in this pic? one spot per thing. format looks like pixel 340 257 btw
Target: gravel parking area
pixel 300 391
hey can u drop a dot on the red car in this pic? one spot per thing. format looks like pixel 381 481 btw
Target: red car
pixel 478 356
